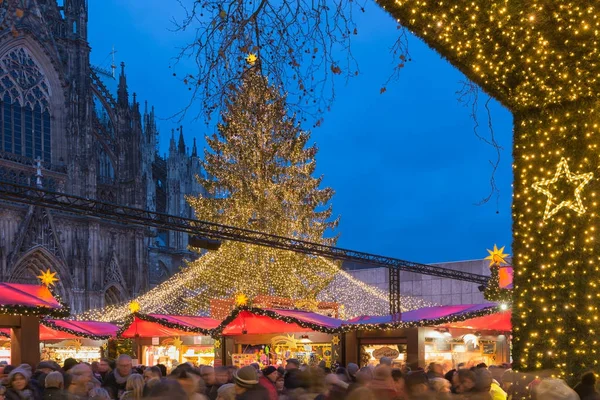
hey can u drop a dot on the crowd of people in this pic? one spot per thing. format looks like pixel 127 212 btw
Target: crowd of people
pixel 120 380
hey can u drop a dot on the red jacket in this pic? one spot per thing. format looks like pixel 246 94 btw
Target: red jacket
pixel 270 386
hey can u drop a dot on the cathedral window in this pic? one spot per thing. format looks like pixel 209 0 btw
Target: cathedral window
pixel 25 106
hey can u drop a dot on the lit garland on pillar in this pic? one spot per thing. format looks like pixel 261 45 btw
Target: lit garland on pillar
pixel 539 59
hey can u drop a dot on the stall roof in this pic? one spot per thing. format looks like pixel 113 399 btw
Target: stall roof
pixel 429 316
pixel 161 325
pixel 269 321
pixel 57 329
pixel 67 329
pixel 18 298
pixel 497 322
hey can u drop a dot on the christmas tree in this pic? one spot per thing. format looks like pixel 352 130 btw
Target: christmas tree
pixel 260 169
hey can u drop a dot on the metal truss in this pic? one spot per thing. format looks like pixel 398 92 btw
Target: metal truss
pixel 395 304
pixel 135 216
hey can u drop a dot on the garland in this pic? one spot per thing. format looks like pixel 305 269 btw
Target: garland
pixel 493 309
pixel 161 321
pixel 52 325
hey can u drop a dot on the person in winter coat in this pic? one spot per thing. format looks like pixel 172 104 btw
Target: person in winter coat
pixel 586 389
pixel 247 386
pixel 116 380
pixel 134 387
pixel 19 386
pixel 54 387
pixel 268 380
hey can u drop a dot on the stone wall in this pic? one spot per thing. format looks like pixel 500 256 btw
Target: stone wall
pixel 440 291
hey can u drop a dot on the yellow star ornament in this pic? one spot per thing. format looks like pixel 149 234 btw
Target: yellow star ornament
pixel 241 300
pixel 48 278
pixel 554 204
pixel 335 340
pixel 251 58
pixel 134 307
pixel 497 256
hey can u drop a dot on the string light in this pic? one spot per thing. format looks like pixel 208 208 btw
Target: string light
pixel 539 59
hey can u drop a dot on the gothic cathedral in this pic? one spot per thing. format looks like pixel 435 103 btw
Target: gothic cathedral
pixel 59 120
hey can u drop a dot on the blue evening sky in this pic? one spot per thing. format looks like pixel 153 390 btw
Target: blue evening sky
pixel 406 166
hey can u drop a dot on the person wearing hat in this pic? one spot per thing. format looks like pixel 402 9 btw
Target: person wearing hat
pixel 19 386
pixel 292 363
pixel 247 386
pixel 268 379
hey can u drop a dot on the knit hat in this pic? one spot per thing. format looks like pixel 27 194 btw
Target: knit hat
pixel 352 369
pixel 269 370
pixel 19 370
pixel 246 377
pixel 45 364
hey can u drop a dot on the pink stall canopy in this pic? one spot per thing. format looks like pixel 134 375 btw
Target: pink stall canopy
pixel 17 298
pixel 428 316
pixel 56 329
pixel 269 321
pixel 162 325
pixel 498 322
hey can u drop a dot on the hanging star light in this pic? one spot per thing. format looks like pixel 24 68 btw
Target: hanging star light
pixel 562 171
pixel 251 58
pixel 134 307
pixel 48 278
pixel 335 340
pixel 497 256
pixel 217 344
pixel 241 300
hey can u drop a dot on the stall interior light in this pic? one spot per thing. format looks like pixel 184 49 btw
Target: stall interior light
pixel 305 339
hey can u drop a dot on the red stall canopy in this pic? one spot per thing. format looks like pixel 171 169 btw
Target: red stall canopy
pixel 259 321
pixel 497 322
pixel 160 325
pixel 27 296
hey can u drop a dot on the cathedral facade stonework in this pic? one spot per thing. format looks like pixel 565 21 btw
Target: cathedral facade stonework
pixel 57 117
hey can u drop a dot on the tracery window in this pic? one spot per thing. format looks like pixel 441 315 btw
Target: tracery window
pixel 24 106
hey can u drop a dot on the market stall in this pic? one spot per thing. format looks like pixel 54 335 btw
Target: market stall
pixel 444 334
pixel 171 339
pixel 21 307
pixel 62 339
pixel 271 336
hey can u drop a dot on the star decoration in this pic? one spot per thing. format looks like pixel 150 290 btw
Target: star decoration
pixel 251 58
pixel 335 340
pixel 48 278
pixel 177 342
pixel 134 307
pixel 497 256
pixel 553 205
pixel 217 344
pixel 241 299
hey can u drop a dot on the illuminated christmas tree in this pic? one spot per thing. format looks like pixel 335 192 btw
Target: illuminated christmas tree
pixel 260 169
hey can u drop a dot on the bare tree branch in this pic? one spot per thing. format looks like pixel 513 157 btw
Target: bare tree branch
pixel 302 47
pixel 468 95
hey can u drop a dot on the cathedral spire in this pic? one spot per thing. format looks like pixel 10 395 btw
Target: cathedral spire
pixel 172 144
pixel 194 149
pixel 122 94
pixel 181 146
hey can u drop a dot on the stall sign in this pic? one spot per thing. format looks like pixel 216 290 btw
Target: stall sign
pixel 155 341
pixel 386 352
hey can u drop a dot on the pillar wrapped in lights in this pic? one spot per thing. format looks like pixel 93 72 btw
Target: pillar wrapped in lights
pixel 539 59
